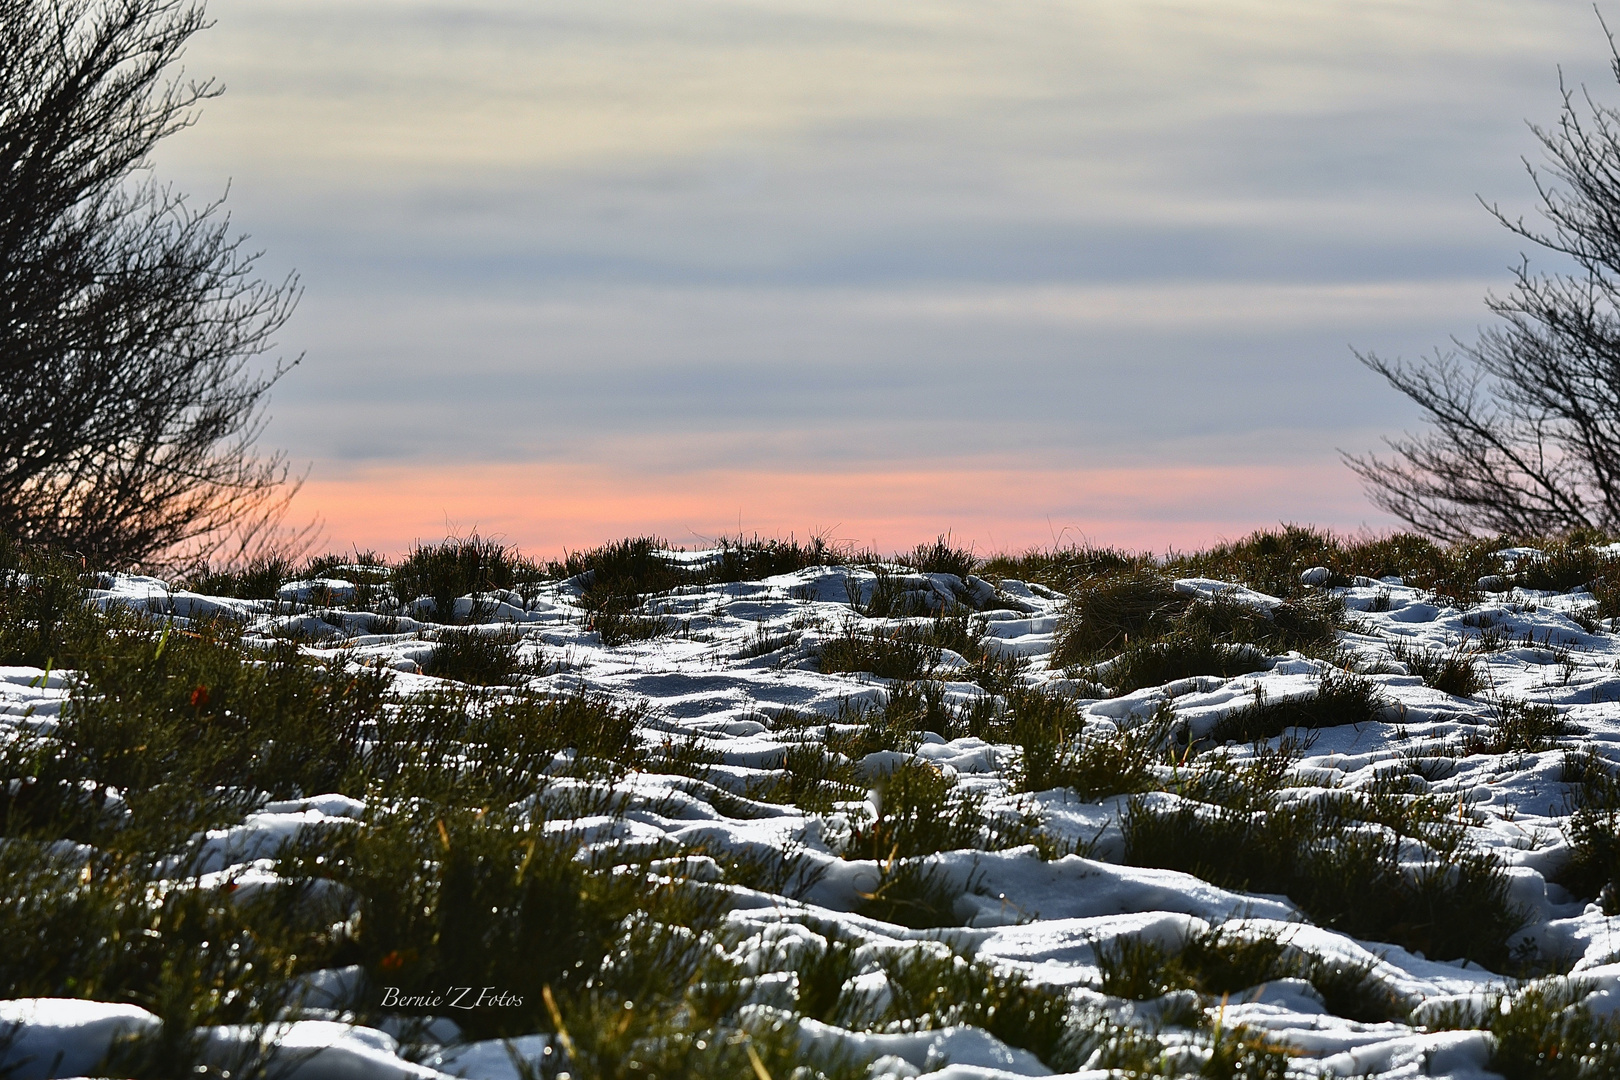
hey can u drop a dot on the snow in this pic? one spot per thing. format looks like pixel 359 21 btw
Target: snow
pixel 1046 918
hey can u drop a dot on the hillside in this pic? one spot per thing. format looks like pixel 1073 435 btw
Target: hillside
pixel 1290 807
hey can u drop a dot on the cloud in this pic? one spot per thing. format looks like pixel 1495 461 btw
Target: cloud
pixel 828 234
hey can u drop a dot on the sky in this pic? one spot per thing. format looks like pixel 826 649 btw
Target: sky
pixel 1049 272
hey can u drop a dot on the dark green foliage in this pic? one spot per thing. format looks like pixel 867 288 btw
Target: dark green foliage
pixel 1214 963
pixel 1605 606
pixel 822 972
pixel 1339 700
pixel 1436 820
pixel 1062 568
pixel 1594 773
pixel 622 573
pixel 1517 726
pixel 1266 560
pixel 1098 1041
pixel 452 898
pixel 615 581
pixel 920 707
pixel 753 559
pixel 1240 1054
pixel 614 954
pixel 1541 1037
pixel 995 673
pixel 1225 963
pixel 1271 561
pixel 894 596
pixel 1308 624
pixel 1593 831
pixel 691 755
pixel 1450 572
pixel 1355 992
pixel 458 567
pixel 43 617
pixel 1038 720
pixel 674 1035
pixel 1456 672
pixel 920 812
pixel 262 576
pixel 778 871
pixel 1567 563
pixel 1349 879
pixel 1136 968
pixel 96 928
pixel 620 626
pixel 191 732
pixel 360 567
pixel 1248 785
pixel 481 659
pixel 862 730
pixel 953 629
pixel 1161 634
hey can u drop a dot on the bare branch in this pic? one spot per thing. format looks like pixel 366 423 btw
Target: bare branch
pixel 1524 433
pixel 133 326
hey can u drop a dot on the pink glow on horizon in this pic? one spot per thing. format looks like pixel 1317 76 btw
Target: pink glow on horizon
pixel 545 509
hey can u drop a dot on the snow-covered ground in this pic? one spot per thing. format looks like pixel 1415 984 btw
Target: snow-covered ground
pixel 745 653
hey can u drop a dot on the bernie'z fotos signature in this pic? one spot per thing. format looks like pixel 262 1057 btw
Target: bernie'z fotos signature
pixel 453 997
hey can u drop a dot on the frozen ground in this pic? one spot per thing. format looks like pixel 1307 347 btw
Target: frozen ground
pixel 745 653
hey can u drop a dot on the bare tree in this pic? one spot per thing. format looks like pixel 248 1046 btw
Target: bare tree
pixel 1525 435
pixel 131 320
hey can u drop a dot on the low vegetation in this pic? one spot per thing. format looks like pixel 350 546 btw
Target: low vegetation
pixel 1218 963
pixel 1339 700
pixel 1341 865
pixel 485 819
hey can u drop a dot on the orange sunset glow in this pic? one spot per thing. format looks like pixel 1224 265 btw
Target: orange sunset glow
pixel 545 510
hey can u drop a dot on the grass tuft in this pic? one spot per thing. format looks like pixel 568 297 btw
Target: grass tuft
pixel 458 567
pixel 920 811
pixel 1094 764
pixel 1339 700
pixel 1518 727
pixel 1544 1032
pixel 478 658
pixel 1106 613
pixel 940 558
pixel 1216 963
pixel 911 893
pixel 1456 672
pixel 1177 656
pixel 905 652
pixel 44 617
pixel 933 989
